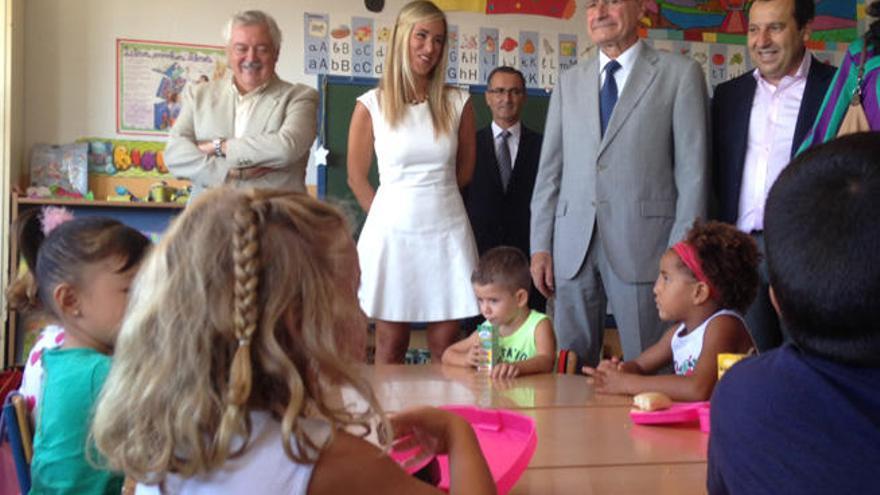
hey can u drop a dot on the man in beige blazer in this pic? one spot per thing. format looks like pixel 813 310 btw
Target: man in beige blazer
pixel 248 130
pixel 622 175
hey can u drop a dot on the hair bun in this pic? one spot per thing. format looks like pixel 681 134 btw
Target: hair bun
pixel 53 216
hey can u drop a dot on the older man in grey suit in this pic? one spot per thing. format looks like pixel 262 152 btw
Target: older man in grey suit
pixel 252 129
pixel 622 175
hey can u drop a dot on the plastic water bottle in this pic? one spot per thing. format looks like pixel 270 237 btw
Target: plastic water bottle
pixel 486 333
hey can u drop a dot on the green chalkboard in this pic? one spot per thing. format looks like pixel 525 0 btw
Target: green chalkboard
pixel 338 100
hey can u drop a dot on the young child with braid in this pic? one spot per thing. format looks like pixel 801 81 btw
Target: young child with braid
pixel 705 283
pixel 244 324
pixel 79 273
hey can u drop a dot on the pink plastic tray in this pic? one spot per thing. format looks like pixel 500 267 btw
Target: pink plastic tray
pixel 679 412
pixel 703 412
pixel 507 439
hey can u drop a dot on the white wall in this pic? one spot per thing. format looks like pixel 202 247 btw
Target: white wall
pixel 70 49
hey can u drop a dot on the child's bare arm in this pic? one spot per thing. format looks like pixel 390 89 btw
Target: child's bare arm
pixel 724 334
pixel 649 361
pixel 658 355
pixel 542 362
pixel 465 352
pixel 350 463
pixel 446 432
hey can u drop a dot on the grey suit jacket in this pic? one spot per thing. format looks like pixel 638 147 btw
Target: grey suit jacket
pixel 279 134
pixel 644 182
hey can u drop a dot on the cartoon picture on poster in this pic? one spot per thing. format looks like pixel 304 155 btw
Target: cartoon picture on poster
pixel 151 77
pixel 166 110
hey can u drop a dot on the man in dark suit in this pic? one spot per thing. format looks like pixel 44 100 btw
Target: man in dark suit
pixel 500 193
pixel 758 121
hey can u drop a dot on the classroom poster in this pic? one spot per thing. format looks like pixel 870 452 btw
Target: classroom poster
pixel 362 47
pixel 568 51
pixel 452 55
pixel 340 50
pixel 383 37
pixel 549 65
pixel 468 55
pixel 151 76
pixel 488 42
pixel 508 47
pixel 316 44
pixel 528 57
pixel 474 50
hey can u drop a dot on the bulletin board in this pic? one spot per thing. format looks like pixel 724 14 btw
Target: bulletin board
pixel 150 78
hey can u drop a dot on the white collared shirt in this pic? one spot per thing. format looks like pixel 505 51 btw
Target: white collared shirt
pixel 627 60
pixel 244 106
pixel 772 123
pixel 512 141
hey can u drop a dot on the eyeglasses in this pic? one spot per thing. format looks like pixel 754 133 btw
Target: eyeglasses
pixel 503 91
pixel 594 4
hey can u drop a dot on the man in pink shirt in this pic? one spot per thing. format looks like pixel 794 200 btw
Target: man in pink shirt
pixel 758 122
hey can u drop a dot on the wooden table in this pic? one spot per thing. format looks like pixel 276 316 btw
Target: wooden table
pixel 587 443
pixel 399 386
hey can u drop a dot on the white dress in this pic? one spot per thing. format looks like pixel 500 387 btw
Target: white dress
pixel 416 249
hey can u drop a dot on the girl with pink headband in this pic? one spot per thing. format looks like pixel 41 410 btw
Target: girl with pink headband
pixel 705 283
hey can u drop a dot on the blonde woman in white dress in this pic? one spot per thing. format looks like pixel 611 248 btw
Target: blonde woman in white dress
pixel 416 249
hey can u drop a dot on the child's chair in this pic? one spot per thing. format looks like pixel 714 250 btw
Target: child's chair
pixel 16 441
pixel 566 362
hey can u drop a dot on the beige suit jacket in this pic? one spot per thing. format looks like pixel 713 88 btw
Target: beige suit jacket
pixel 279 135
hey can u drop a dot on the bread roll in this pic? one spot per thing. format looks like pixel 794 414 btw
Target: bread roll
pixel 652 401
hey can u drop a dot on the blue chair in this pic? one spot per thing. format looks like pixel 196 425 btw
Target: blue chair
pixel 15 430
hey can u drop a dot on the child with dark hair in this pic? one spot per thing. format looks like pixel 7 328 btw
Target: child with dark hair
pixel 526 342
pixel 810 409
pixel 705 283
pixel 79 271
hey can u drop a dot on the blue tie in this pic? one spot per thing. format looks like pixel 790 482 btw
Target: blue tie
pixel 608 93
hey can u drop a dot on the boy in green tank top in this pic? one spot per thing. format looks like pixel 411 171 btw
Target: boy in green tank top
pixel 525 343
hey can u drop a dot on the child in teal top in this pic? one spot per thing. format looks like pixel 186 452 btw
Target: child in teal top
pixel 525 340
pixel 74 378
pixel 79 273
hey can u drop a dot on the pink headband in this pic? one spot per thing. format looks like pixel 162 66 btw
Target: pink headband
pixel 689 257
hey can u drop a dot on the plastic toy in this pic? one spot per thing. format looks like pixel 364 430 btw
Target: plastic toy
pixel 160 162
pixel 148 161
pixel 121 158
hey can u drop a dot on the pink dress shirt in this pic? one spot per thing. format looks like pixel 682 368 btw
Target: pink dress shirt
pixel 771 132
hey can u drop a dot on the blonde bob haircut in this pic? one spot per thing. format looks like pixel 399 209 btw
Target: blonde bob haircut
pixel 397 87
pixel 248 303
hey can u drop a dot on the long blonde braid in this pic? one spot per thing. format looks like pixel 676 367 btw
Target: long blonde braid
pixel 246 313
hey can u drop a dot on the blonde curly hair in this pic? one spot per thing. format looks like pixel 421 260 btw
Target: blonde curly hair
pixel 248 303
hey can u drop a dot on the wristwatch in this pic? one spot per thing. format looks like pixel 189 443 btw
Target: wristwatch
pixel 218 148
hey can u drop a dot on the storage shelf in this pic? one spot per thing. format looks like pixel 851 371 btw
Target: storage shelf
pixel 101 204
